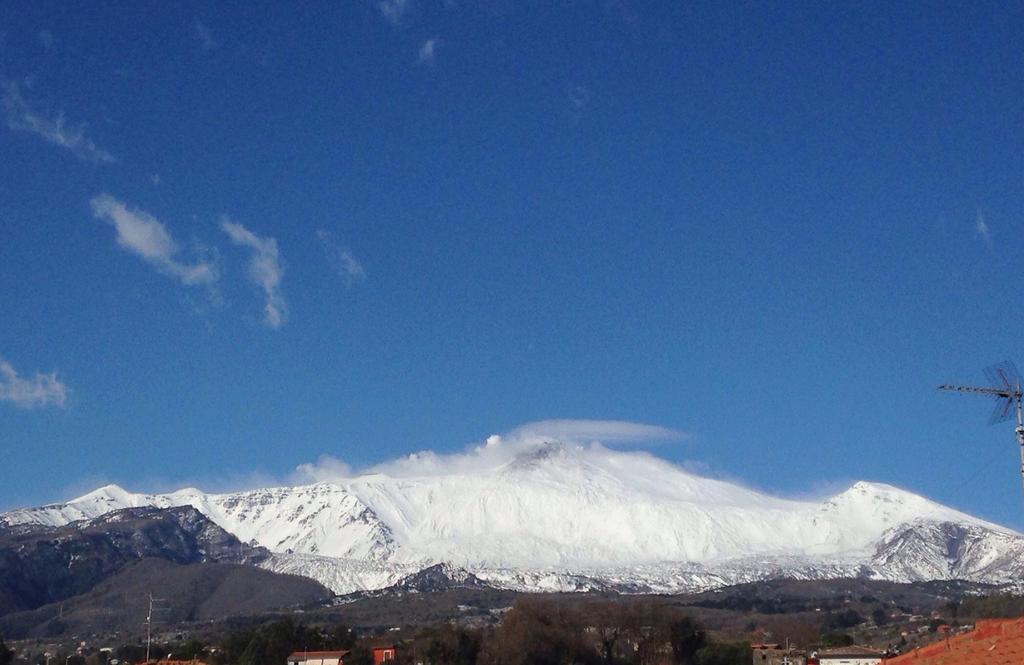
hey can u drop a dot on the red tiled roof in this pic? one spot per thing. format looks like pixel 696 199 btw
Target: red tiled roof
pixel 995 642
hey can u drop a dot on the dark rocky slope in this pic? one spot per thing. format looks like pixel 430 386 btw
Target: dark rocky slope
pixel 41 565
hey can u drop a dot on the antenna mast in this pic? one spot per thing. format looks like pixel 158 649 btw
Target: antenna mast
pixel 1006 389
pixel 149 622
pixel 149 627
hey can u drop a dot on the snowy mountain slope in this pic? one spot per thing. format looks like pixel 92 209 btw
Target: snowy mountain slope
pixel 926 550
pixel 341 576
pixel 317 518
pixel 553 515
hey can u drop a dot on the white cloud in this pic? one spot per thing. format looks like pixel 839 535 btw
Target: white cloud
pixel 394 10
pixel 981 230
pixel 326 469
pixel 352 268
pixel 265 269
pixel 587 435
pixel 347 266
pixel 33 392
pixel 428 50
pixel 145 236
pixel 21 117
pixel 587 431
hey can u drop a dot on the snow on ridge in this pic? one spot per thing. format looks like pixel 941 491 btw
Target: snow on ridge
pixel 871 501
pixel 569 515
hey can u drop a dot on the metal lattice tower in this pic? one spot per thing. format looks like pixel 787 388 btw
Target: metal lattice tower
pixel 1006 389
pixel 153 607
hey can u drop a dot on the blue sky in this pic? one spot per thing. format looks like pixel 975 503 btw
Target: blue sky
pixel 236 238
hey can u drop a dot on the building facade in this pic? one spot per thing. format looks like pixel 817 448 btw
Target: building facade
pixel 317 658
pixel 846 656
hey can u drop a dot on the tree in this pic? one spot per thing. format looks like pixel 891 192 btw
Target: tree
pixel 880 616
pixel 797 630
pixel 6 654
pixel 271 643
pixel 234 644
pixel 725 654
pixel 996 606
pixel 340 637
pixel 845 619
pixel 836 640
pixel 540 632
pixel 686 637
pixel 360 655
pixel 131 653
pixel 953 608
pixel 257 651
pixel 447 645
pixel 188 650
pixel 649 631
pixel 611 622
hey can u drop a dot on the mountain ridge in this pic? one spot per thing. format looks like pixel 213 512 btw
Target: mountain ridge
pixel 552 515
pixel 40 564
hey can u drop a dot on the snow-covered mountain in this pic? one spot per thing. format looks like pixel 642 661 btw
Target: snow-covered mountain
pixel 555 516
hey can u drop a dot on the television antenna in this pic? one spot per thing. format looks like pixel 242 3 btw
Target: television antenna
pixel 1006 389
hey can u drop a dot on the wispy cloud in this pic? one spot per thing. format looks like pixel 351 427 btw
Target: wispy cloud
pixel 982 231
pixel 31 392
pixel 325 469
pixel 344 263
pixel 394 10
pixel 428 51
pixel 46 39
pixel 579 97
pixel 586 437
pixel 265 269
pixel 145 236
pixel 588 431
pixel 21 117
pixel 203 36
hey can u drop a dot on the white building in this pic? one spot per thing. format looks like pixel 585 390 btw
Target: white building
pixel 317 658
pixel 846 656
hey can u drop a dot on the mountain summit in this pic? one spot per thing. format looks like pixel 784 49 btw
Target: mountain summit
pixel 553 515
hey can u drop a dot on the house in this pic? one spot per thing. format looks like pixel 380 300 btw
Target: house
pixel 384 654
pixel 775 654
pixel 852 655
pixel 317 658
pixel 992 642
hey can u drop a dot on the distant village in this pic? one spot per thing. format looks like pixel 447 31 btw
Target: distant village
pixel 538 631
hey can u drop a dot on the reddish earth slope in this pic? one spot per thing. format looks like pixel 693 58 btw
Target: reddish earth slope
pixel 995 642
